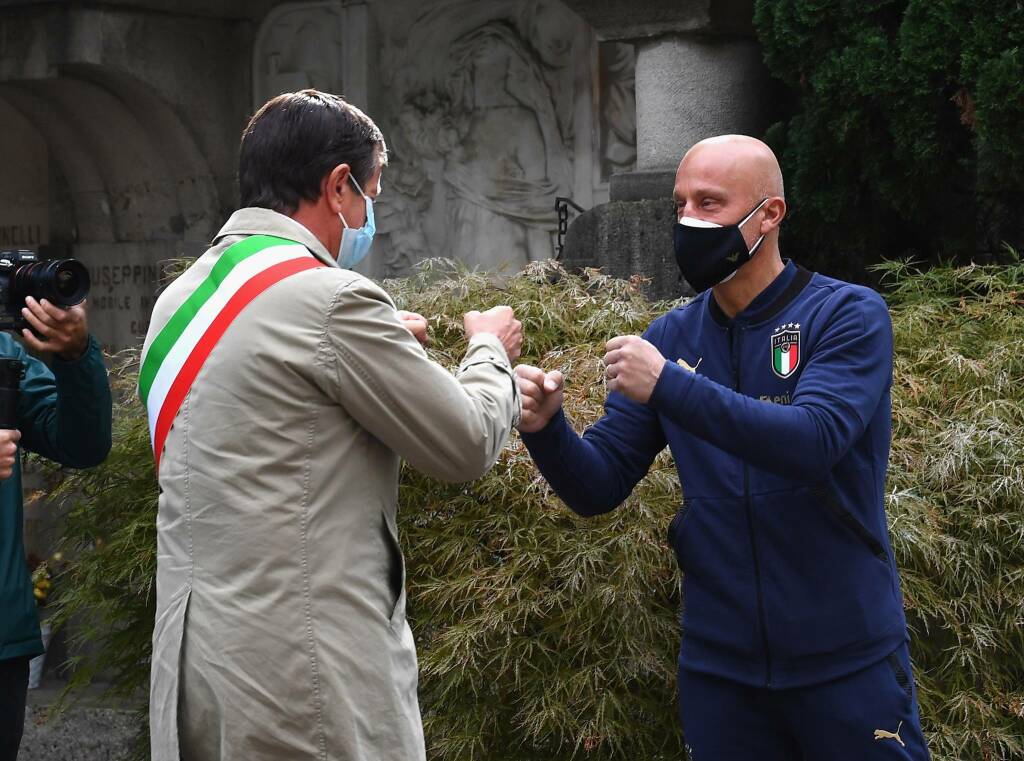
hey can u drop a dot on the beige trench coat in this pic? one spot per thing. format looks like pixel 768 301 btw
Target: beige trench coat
pixel 280 628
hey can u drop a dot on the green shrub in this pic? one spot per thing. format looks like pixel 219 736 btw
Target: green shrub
pixel 545 636
pixel 956 500
pixel 906 131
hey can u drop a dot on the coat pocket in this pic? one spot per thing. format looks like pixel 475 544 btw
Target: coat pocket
pixel 395 570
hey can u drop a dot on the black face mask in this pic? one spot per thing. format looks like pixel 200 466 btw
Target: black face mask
pixel 709 254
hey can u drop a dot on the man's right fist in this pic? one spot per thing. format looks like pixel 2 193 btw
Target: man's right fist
pixel 8 452
pixel 542 396
pixel 502 322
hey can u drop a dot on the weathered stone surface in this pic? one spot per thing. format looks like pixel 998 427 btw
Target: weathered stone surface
pixel 638 186
pixel 628 238
pixel 126 278
pixel 131 114
pixel 138 113
pixel 617 20
pixel 689 88
pixel 491 113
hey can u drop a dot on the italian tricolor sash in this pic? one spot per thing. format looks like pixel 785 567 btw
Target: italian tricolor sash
pixel 177 354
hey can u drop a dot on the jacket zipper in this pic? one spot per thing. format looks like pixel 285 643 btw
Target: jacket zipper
pixel 734 350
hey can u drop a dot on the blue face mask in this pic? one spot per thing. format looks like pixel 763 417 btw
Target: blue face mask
pixel 355 244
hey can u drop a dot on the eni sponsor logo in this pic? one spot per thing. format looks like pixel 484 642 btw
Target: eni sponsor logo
pixel 777 399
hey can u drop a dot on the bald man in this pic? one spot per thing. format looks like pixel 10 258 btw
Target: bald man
pixel 771 389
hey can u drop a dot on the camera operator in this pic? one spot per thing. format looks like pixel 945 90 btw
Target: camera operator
pixel 64 415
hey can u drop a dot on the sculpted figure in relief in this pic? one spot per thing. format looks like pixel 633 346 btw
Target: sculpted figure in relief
pixel 491 125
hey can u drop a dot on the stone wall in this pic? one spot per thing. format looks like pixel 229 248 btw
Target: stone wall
pixel 125 121
pixel 137 112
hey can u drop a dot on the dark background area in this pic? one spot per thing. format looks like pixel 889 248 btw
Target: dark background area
pixel 900 132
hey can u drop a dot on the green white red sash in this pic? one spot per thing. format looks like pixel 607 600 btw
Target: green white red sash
pixel 177 354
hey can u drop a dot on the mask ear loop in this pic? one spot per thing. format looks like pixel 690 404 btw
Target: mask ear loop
pixel 356 183
pixel 746 219
pixel 753 212
pixel 360 189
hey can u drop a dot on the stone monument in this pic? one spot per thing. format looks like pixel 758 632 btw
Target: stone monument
pixel 698 73
pixel 122 124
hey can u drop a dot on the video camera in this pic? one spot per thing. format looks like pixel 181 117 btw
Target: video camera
pixel 62 282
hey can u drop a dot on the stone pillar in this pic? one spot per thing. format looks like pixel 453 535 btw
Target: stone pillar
pixel 699 73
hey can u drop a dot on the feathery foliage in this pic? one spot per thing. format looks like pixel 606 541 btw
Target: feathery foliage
pixel 956 499
pixel 542 635
pixel 545 636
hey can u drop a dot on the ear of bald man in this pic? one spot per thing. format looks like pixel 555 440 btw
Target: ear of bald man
pixel 542 394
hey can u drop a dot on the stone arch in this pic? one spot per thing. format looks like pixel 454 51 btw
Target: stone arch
pixel 134 171
pixel 88 192
pixel 125 177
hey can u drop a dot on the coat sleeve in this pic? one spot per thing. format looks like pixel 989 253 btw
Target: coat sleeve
pixel 847 374
pixel 449 427
pixel 65 414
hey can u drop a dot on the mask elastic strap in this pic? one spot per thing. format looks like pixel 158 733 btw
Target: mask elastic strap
pixel 746 219
pixel 753 212
pixel 360 189
pixel 356 183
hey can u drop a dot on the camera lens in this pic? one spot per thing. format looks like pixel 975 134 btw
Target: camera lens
pixel 63 282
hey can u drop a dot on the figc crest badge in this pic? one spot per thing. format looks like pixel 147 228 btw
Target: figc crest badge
pixel 786 349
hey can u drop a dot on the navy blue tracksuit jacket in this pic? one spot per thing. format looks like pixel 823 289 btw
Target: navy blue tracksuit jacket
pixel 781 438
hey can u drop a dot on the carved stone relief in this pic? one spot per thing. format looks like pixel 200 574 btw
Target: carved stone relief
pixel 491 110
pixel 299 45
pixel 618 108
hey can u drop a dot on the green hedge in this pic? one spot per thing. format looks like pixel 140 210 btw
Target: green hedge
pixel 545 636
pixel 905 129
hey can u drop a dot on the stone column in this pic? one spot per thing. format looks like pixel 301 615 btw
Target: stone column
pixel 699 73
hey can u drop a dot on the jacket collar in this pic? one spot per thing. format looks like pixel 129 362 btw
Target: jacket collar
pixel 257 221
pixel 777 296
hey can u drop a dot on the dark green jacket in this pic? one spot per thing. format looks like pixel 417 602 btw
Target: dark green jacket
pixel 63 415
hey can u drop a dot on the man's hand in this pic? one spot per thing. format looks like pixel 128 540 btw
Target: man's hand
pixel 8 450
pixel 64 331
pixel 542 396
pixel 632 367
pixel 415 324
pixel 502 322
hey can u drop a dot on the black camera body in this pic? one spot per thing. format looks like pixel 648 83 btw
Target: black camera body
pixel 62 282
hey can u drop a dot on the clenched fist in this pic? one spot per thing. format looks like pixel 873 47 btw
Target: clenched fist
pixel 502 322
pixel 415 324
pixel 632 367
pixel 8 452
pixel 542 395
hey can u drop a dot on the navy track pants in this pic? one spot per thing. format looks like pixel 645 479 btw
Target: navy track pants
pixel 870 715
